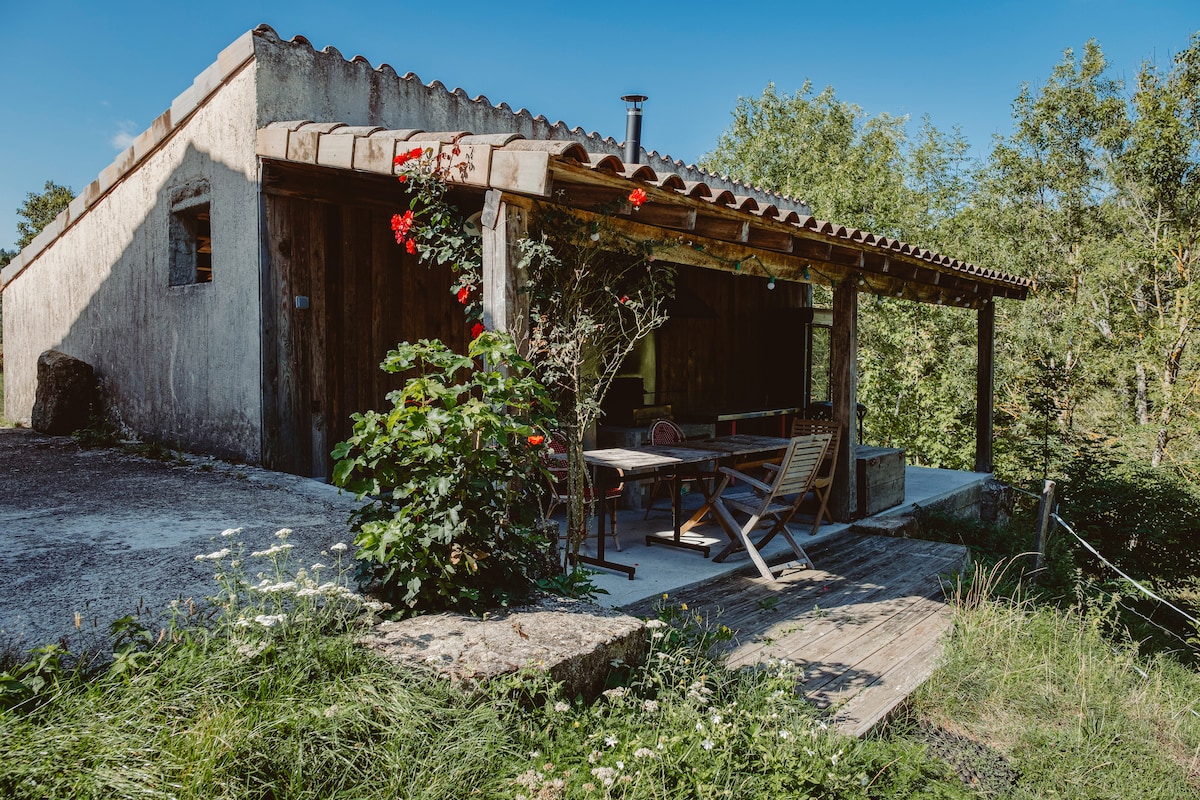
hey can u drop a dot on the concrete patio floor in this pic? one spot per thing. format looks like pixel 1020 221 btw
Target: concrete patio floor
pixel 669 570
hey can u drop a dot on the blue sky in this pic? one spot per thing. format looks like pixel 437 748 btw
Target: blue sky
pixel 80 79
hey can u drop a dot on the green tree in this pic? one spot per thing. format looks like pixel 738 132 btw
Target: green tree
pixel 917 362
pixel 1158 176
pixel 40 209
pixel 1096 193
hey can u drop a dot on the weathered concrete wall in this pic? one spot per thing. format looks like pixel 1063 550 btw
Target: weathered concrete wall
pixel 180 363
pixel 299 83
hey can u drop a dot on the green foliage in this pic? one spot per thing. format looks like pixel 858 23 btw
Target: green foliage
pixel 40 209
pixel 576 584
pixel 452 478
pixel 100 431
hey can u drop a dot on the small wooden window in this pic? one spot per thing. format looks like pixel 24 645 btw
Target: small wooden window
pixel 191 236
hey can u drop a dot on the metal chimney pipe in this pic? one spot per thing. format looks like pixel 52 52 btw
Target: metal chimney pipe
pixel 633 128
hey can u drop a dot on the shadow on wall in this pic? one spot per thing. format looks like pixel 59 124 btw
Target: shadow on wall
pixel 245 325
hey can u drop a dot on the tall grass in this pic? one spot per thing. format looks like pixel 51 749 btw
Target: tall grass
pixel 1077 709
pixel 269 696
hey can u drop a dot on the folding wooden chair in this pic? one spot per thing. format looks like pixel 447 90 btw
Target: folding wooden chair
pixel 824 479
pixel 557 467
pixel 776 501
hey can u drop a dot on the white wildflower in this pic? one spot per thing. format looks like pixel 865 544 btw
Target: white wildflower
pixel 269 620
pixel 611 740
pixel 308 592
pixel 655 623
pixel 283 533
pixel 708 744
pixel 657 635
pixel 606 775
pixel 620 765
pixel 250 650
pixel 615 694
pixel 340 547
pixel 716 719
pixel 217 556
pixel 593 756
pixel 535 754
pixel 228 532
pixel 374 606
pixel 644 752
pixel 242 623
pixel 650 706
pixel 317 567
pixel 785 734
pixel 562 706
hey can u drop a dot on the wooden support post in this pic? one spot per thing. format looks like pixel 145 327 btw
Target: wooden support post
pixel 843 390
pixel 1045 509
pixel 504 307
pixel 985 386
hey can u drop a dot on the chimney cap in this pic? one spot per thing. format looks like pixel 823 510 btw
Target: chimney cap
pixel 634 98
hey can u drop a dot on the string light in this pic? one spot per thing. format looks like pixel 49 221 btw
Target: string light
pixel 771 283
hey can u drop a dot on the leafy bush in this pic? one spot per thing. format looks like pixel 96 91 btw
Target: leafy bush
pixel 454 478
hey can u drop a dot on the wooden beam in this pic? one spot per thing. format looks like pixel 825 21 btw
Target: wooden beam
pixel 843 390
pixel 985 386
pixel 505 307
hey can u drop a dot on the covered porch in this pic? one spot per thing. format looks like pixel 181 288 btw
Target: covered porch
pixel 744 335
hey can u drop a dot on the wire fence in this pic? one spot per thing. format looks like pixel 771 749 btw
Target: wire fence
pixel 1049 514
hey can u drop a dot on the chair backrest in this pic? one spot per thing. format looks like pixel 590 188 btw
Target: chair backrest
pixel 557 467
pixel 809 427
pixel 800 464
pixel 664 431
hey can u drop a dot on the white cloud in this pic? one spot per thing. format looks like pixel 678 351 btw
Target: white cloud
pixel 124 137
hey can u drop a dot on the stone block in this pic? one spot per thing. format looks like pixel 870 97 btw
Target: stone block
pixel 67 394
pixel 573 642
pixel 903 526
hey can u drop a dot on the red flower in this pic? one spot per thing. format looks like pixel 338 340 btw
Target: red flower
pixel 402 178
pixel 404 158
pixel 624 299
pixel 476 330
pixel 637 197
pixel 464 294
pixel 402 223
pixel 410 245
pixel 536 439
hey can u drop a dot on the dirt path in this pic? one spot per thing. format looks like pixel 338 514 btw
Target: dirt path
pixel 103 534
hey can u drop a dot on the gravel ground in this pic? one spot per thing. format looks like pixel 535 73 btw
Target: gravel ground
pixel 102 533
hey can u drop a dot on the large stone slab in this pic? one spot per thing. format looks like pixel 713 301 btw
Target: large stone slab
pixel 574 642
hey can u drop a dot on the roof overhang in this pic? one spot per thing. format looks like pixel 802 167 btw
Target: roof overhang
pixel 690 222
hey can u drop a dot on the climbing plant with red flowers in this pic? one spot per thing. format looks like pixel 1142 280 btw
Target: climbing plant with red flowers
pixel 590 292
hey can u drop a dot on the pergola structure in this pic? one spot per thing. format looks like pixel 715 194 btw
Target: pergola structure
pixel 691 224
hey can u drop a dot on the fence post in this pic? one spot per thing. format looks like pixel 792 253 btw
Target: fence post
pixel 1045 509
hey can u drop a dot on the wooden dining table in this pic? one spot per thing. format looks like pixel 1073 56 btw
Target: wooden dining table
pixel 674 459
pixel 642 461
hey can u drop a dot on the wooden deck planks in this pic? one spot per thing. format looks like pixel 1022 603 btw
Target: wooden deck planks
pixel 867 623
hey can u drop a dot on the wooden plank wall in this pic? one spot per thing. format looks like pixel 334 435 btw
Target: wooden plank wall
pixel 749 355
pixel 365 294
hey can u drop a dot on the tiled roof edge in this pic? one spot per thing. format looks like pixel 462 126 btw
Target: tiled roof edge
pixel 656 160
